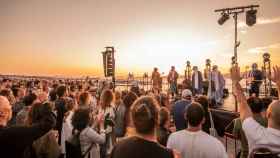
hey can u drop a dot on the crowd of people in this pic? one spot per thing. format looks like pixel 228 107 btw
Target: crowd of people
pixel 66 118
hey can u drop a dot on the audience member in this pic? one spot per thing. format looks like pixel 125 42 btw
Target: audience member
pixel 144 116
pixel 60 108
pixel 163 130
pixel 89 138
pixel 128 124
pixel 16 140
pixel 120 115
pixel 67 127
pixel 193 142
pixel 256 134
pixel 47 145
pixel 107 110
pixel 203 101
pixel 179 109
pixel 22 116
pixel 256 105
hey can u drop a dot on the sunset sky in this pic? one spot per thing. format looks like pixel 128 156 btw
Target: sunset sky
pixel 66 37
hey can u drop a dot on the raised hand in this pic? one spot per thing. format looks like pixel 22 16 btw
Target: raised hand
pixel 235 74
pixel 276 77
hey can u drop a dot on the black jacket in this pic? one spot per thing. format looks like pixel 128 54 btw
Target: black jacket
pixel 14 140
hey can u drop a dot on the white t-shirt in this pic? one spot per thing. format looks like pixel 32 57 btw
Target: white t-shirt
pixel 259 136
pixel 196 145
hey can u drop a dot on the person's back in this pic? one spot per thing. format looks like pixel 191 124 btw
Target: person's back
pixel 196 145
pixel 137 147
pixel 88 137
pixel 256 106
pixel 60 110
pixel 192 142
pixel 237 130
pixel 257 135
pixel 16 139
pixel 119 120
pixel 178 113
pixel 144 112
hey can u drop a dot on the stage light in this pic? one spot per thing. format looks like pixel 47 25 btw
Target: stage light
pixel 223 18
pixel 208 62
pixel 266 57
pixel 251 17
pixel 188 63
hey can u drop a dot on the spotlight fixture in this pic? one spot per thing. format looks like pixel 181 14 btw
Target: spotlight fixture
pixel 251 17
pixel 266 57
pixel 188 63
pixel 223 18
pixel 208 62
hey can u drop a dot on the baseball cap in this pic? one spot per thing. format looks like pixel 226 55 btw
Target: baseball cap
pixel 186 93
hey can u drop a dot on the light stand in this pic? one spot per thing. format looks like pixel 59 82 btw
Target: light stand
pixel 250 21
pixel 208 75
pixel 236 11
pixel 267 73
pixel 146 81
pixel 188 71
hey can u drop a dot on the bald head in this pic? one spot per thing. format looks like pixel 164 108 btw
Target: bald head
pixel 274 113
pixel 5 111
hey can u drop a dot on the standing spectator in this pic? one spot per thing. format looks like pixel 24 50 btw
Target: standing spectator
pixel 16 140
pixel 266 102
pixel 193 142
pixel 256 105
pixel 9 95
pixel 19 94
pixel 107 110
pixel 60 109
pixel 257 135
pixel 163 130
pixel 52 98
pixel 128 124
pixel 22 116
pixel 120 115
pixel 203 101
pixel 164 101
pixel 89 138
pixel 179 109
pixel 67 127
pixel 84 100
pixel 47 145
pixel 145 116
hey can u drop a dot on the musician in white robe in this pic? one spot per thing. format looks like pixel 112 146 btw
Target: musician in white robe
pixel 218 82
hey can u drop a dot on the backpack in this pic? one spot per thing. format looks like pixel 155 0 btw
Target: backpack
pixel 73 147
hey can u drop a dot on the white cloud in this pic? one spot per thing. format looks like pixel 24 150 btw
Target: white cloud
pixel 263 21
pixel 259 50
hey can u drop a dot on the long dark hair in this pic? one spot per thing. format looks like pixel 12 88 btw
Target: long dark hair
pixel 81 119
